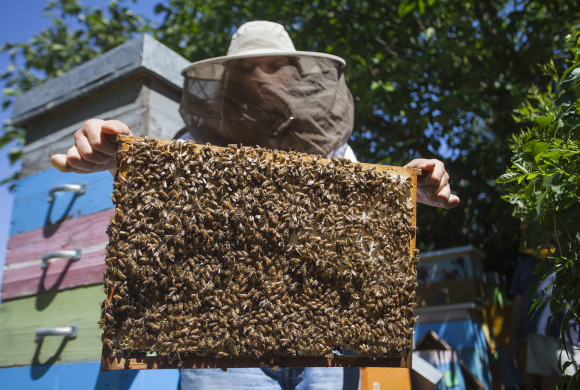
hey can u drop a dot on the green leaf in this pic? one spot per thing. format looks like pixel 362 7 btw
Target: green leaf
pixel 421 4
pixel 14 155
pixel 405 7
pixel 543 122
pixel 535 149
pixel 508 177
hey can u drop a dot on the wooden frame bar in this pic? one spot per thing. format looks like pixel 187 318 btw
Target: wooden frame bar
pixel 142 363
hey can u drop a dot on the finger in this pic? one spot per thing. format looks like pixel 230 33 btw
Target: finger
pixel 421 163
pixel 88 152
pixel 437 173
pixel 443 195
pixel 59 162
pixel 444 181
pixel 115 127
pixel 432 184
pixel 428 191
pixel 97 132
pixel 443 198
pixel 75 160
pixel 453 201
pixel 433 170
pixel 431 198
pixel 99 141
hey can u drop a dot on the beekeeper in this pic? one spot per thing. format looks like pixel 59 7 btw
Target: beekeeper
pixel 263 92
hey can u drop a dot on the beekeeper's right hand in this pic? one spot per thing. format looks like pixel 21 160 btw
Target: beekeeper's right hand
pixel 92 150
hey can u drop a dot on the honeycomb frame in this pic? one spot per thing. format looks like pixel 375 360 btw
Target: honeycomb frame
pixel 166 330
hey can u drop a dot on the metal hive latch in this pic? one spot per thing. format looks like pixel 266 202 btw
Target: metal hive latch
pixel 69 332
pixel 73 254
pixel 78 189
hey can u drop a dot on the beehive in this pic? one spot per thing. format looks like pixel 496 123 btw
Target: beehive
pixel 237 257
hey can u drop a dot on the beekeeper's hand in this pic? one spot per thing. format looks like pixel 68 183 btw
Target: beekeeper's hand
pixel 92 150
pixel 433 187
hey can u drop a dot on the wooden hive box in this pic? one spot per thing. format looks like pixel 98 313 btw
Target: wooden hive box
pixel 49 331
pixel 244 257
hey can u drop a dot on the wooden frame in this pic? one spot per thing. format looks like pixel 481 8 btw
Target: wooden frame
pixel 152 362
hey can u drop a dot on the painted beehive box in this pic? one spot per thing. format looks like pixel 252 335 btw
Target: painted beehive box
pixel 51 287
pixel 236 257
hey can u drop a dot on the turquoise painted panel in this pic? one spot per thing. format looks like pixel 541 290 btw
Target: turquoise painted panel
pixel 467 338
pixel 32 210
pixel 477 360
pixel 458 334
pixel 75 376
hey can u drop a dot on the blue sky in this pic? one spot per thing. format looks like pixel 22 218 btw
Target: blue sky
pixel 19 21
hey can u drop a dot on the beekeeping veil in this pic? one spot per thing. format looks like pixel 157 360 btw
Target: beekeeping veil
pixel 265 93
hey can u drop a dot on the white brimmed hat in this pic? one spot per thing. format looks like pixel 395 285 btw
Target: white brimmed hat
pixel 255 39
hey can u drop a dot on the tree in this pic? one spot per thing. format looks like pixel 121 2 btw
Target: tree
pixel 436 79
pixel 430 78
pixel 544 178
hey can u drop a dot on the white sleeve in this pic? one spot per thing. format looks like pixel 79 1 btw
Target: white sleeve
pixel 344 151
pixel 186 136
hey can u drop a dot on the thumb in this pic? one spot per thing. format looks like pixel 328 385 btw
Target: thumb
pixel 59 162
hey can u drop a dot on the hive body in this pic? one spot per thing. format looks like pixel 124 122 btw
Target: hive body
pixel 242 253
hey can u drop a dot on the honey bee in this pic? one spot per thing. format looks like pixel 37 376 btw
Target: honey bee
pixel 119 274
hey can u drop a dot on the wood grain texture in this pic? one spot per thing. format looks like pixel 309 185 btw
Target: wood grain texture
pixel 32 210
pixel 205 362
pixel 21 317
pixel 23 275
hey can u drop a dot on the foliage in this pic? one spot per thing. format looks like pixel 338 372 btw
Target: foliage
pixel 544 177
pixel 431 78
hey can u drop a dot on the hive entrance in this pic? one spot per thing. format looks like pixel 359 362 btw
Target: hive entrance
pixel 237 257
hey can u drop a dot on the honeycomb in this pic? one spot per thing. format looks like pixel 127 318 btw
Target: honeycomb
pixel 245 252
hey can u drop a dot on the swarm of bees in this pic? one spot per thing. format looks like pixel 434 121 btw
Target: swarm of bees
pixel 246 252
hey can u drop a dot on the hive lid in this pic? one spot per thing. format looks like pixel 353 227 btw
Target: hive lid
pixel 141 54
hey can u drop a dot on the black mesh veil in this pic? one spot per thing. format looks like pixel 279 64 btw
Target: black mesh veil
pixel 281 102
